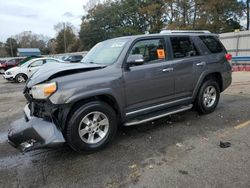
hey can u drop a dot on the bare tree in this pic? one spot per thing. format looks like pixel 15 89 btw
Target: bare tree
pixel 90 5
pixel 248 14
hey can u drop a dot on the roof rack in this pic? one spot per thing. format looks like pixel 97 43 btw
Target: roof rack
pixel 184 31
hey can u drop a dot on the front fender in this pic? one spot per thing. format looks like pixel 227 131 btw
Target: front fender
pixel 88 94
pixel 69 103
pixel 100 92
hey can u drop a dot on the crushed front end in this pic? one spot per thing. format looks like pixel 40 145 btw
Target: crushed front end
pixel 38 128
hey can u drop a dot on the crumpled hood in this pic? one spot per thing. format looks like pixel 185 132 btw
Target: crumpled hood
pixel 53 70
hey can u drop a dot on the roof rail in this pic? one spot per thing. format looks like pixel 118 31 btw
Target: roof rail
pixel 184 31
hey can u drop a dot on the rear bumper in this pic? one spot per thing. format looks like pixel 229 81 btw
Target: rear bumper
pixel 227 79
pixel 33 133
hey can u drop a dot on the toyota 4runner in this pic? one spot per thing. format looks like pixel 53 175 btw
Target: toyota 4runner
pixel 122 81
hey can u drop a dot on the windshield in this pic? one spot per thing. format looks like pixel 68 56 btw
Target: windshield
pixel 105 53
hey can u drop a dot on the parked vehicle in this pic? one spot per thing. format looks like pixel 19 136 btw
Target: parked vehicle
pixel 23 72
pixel 2 65
pixel 60 57
pixel 73 58
pixel 28 58
pixel 5 65
pixel 123 81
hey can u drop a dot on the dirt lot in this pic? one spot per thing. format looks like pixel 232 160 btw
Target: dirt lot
pixel 177 151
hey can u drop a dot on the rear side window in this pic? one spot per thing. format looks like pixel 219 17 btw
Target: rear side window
pixel 212 44
pixel 183 47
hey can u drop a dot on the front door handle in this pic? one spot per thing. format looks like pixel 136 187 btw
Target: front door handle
pixel 168 69
pixel 203 63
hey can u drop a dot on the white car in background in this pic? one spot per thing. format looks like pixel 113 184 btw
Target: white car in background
pixel 23 72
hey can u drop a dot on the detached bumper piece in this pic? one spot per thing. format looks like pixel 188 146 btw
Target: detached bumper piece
pixel 33 133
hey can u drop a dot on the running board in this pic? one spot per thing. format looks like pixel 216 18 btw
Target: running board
pixel 151 117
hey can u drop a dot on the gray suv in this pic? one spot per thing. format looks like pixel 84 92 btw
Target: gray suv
pixel 122 81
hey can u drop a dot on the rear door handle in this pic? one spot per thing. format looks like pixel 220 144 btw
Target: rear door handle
pixel 203 63
pixel 168 69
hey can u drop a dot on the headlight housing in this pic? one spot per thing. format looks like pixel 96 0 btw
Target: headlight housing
pixel 8 73
pixel 42 91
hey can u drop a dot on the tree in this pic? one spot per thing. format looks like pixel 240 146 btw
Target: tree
pixel 51 46
pixel 90 4
pixel 65 38
pixel 3 52
pixel 76 46
pixel 220 13
pixel 11 47
pixel 101 22
pixel 27 39
pixel 248 13
pixel 118 18
pixel 216 16
pixel 128 17
pixel 151 13
pixel 24 39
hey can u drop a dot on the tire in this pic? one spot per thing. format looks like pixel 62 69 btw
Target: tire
pixel 208 97
pixel 21 78
pixel 95 135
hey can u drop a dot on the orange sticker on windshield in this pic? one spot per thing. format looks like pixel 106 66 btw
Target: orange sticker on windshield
pixel 161 53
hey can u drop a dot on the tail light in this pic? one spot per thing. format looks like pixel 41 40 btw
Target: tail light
pixel 228 57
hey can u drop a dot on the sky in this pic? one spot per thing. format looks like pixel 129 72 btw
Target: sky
pixel 38 16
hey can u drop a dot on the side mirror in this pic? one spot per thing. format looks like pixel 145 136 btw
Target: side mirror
pixel 135 59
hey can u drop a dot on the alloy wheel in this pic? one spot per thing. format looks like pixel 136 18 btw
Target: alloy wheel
pixel 20 79
pixel 209 96
pixel 93 127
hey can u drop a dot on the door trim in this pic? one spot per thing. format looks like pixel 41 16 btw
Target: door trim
pixel 157 106
pixel 181 109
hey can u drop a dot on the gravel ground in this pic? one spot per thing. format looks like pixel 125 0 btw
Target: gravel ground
pixel 177 151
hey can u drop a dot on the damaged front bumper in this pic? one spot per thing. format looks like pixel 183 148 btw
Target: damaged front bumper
pixel 33 133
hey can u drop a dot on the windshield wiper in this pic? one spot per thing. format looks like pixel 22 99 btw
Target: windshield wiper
pixel 91 62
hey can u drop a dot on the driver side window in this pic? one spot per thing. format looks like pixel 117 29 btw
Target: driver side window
pixel 37 63
pixel 152 50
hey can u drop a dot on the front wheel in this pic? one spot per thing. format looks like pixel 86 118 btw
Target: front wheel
pixel 208 97
pixel 20 78
pixel 91 127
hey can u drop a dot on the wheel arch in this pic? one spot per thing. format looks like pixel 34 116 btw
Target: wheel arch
pixel 210 75
pixel 107 98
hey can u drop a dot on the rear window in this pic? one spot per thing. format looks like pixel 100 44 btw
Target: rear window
pixel 183 47
pixel 212 43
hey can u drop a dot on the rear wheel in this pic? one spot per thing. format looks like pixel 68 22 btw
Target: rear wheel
pixel 91 127
pixel 20 78
pixel 208 97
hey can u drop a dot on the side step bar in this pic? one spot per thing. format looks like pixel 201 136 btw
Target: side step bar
pixel 151 117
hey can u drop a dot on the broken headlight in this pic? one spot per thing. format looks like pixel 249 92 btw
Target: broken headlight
pixel 42 91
